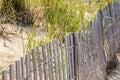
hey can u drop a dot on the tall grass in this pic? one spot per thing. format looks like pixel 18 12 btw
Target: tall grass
pixel 68 15
pixel 17 11
pixel 60 16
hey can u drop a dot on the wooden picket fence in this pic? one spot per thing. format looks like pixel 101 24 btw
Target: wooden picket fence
pixel 91 53
pixel 42 63
pixel 84 54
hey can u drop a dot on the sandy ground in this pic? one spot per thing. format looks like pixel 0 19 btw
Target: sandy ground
pixel 11 42
pixel 11 47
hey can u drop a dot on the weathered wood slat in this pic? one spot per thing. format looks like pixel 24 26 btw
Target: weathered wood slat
pixel 68 47
pixel 39 63
pixel 87 55
pixel 44 62
pixel 67 59
pixel 34 64
pixel 4 75
pixel 11 69
pixel 28 67
pixel 17 64
pixel 75 54
pixel 81 57
pixel 63 61
pixel 72 50
pixel 55 59
pixel 58 59
pixel 50 64
pixel 100 46
pixel 22 68
pixel 116 25
pixel 92 52
pixel 110 32
pixel 89 51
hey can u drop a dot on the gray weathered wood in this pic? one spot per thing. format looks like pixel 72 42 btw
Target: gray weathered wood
pixel 51 59
pixel 63 61
pixel 28 67
pixel 11 74
pixel 4 75
pixel 76 54
pixel 17 64
pixel 67 45
pixel 44 62
pixel 39 63
pixel 22 68
pixel 55 59
pixel 81 56
pixel 49 62
pixel 98 34
pixel 34 64
pixel 58 59
pixel 66 51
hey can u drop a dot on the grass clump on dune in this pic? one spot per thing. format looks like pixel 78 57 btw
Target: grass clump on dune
pixel 17 11
pixel 63 16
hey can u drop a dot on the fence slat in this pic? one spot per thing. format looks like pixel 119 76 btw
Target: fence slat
pixel 34 64
pixel 22 68
pixel 4 75
pixel 98 34
pixel 110 31
pixel 44 62
pixel 62 57
pixel 81 56
pixel 11 69
pixel 49 62
pixel 17 63
pixel 75 53
pixel 28 68
pixel 67 43
pixel 51 59
pixel 55 58
pixel 58 59
pixel 39 63
pixel 87 54
pixel 67 56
